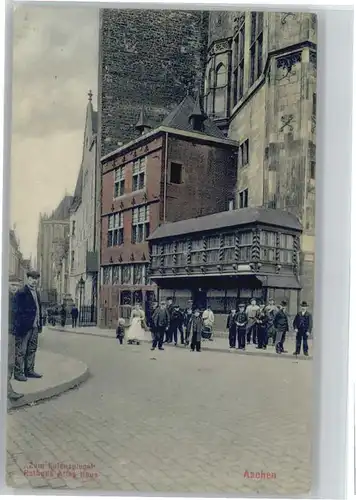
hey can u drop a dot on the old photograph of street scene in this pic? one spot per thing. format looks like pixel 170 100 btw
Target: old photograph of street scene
pixel 161 251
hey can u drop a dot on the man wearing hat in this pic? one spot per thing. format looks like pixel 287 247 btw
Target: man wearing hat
pixel 241 322
pixel 14 285
pixel 303 325
pixel 281 325
pixel 28 324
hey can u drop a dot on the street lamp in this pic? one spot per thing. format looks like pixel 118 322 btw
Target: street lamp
pixel 81 285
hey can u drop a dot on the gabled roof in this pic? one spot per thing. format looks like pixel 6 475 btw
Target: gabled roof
pixel 233 218
pixel 179 119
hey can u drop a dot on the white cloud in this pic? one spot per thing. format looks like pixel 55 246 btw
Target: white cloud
pixel 54 66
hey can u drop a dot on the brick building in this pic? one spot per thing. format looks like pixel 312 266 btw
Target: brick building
pixel 260 89
pixel 184 168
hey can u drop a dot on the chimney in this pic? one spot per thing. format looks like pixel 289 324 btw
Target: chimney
pixel 197 117
pixel 143 125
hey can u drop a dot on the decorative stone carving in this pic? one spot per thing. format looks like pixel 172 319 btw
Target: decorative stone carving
pixel 278 248
pixel 145 196
pixel 285 65
pixel 205 247
pixel 120 258
pixel 221 46
pixel 313 59
pixel 286 15
pixel 278 268
pixel 111 260
pixel 287 121
pixel 221 248
pixel 143 258
pixel 237 247
pixel 133 201
pixel 132 257
pixel 255 254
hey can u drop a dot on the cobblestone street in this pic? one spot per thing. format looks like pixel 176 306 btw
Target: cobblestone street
pixel 170 421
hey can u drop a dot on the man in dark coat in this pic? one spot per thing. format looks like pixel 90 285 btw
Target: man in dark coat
pixel 28 324
pixel 262 328
pixel 231 327
pixel 160 320
pixel 176 323
pixel 63 315
pixel 170 308
pixel 303 326
pixel 188 313
pixel 74 313
pixel 241 322
pixel 282 326
pixel 13 287
pixel 195 328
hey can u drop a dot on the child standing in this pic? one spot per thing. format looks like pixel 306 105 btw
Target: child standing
pixel 120 330
pixel 241 322
pixel 231 326
pixel 194 330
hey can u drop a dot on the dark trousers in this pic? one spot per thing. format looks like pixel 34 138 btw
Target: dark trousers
pixel 10 361
pixel 298 342
pixel 271 333
pixel 74 322
pixel 262 336
pixel 232 337
pixel 63 322
pixel 158 336
pixel 196 344
pixel 252 332
pixel 280 339
pixel 120 340
pixel 241 337
pixel 25 352
pixel 174 333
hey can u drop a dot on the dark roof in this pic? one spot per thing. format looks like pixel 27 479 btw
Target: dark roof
pixel 179 119
pixel 143 121
pixel 244 216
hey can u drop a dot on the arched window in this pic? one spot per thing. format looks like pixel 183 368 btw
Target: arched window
pixel 221 75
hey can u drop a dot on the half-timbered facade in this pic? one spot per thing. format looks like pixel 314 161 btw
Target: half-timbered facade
pixel 228 257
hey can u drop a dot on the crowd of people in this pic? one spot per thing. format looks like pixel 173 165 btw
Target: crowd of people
pixel 258 324
pixel 25 324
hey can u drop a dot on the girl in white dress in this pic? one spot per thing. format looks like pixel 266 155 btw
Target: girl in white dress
pixel 136 331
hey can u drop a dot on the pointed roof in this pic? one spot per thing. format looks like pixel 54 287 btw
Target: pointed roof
pixel 143 121
pixel 198 111
pixel 179 119
pixel 77 197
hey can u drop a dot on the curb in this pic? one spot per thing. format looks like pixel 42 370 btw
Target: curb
pixel 50 392
pixel 215 349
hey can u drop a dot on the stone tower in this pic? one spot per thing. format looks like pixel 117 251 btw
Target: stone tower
pixel 149 58
pixel 260 89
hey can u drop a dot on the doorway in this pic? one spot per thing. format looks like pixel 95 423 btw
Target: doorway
pixel 199 298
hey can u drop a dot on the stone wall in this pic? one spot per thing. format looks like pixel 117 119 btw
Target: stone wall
pixel 146 57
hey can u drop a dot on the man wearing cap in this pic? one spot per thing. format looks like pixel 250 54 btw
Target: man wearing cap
pixel 28 324
pixel 303 325
pixel 281 325
pixel 14 285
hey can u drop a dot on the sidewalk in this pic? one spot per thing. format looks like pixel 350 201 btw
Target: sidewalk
pixel 60 374
pixel 219 344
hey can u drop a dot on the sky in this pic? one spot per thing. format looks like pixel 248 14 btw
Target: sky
pixel 55 53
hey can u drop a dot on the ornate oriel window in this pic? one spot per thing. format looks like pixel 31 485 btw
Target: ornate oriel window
pixel 229 248
pixel 212 249
pixel 245 245
pixel 168 252
pixel 155 256
pixel 115 229
pixel 286 246
pixel 181 253
pixel 268 246
pixel 140 224
pixel 256 46
pixel 239 60
pixel 119 182
pixel 197 251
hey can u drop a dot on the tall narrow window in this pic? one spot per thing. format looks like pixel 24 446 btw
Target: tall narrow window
pixel 239 61
pixel 73 228
pixel 140 224
pixel 243 198
pixel 139 174
pixel 221 76
pixel 116 229
pixel 176 172
pixel 72 260
pixel 256 46
pixel 244 154
pixel 119 185
pixel 314 104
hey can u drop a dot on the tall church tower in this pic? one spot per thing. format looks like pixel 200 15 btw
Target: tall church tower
pixel 149 58
pixel 260 89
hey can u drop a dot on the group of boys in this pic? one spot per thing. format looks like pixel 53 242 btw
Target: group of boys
pixel 261 323
pixel 168 319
